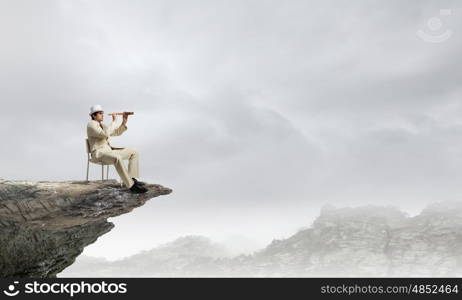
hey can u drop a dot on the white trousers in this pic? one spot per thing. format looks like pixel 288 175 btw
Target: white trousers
pixel 116 157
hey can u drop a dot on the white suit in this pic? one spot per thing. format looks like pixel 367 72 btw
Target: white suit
pixel 102 151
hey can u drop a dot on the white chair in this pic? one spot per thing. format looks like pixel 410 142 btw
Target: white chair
pixel 91 159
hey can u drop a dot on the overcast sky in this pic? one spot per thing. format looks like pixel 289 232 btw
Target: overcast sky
pixel 256 113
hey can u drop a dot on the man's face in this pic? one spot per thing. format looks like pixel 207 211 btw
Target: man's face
pixel 99 116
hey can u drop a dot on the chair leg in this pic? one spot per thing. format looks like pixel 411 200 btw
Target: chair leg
pixel 88 167
pixel 107 173
pixel 102 172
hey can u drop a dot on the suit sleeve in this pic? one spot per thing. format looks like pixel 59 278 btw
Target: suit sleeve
pixel 95 130
pixel 118 131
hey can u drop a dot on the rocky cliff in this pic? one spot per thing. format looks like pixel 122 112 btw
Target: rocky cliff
pixel 369 241
pixel 45 225
pixel 365 241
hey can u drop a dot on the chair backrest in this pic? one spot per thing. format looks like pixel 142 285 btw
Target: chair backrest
pixel 87 143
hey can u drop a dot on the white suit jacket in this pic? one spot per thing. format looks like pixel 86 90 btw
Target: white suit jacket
pixel 98 137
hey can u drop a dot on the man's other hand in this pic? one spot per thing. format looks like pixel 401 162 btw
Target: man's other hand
pixel 125 119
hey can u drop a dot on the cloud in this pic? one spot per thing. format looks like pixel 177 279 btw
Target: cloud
pixel 245 105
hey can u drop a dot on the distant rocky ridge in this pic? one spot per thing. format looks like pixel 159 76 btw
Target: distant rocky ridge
pixel 366 241
pixel 45 225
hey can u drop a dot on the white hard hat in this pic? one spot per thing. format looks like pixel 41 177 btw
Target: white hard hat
pixel 95 108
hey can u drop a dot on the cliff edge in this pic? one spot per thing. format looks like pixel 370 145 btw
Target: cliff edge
pixel 45 225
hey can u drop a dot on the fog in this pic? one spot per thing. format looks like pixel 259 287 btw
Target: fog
pixel 256 113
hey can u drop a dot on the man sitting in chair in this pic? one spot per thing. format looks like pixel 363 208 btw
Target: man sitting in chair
pixel 101 151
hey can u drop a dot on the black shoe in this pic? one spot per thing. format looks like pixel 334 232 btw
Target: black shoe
pixel 136 189
pixel 140 183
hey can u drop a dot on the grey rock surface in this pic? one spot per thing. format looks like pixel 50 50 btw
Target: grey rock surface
pixel 365 241
pixel 45 225
pixel 369 241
